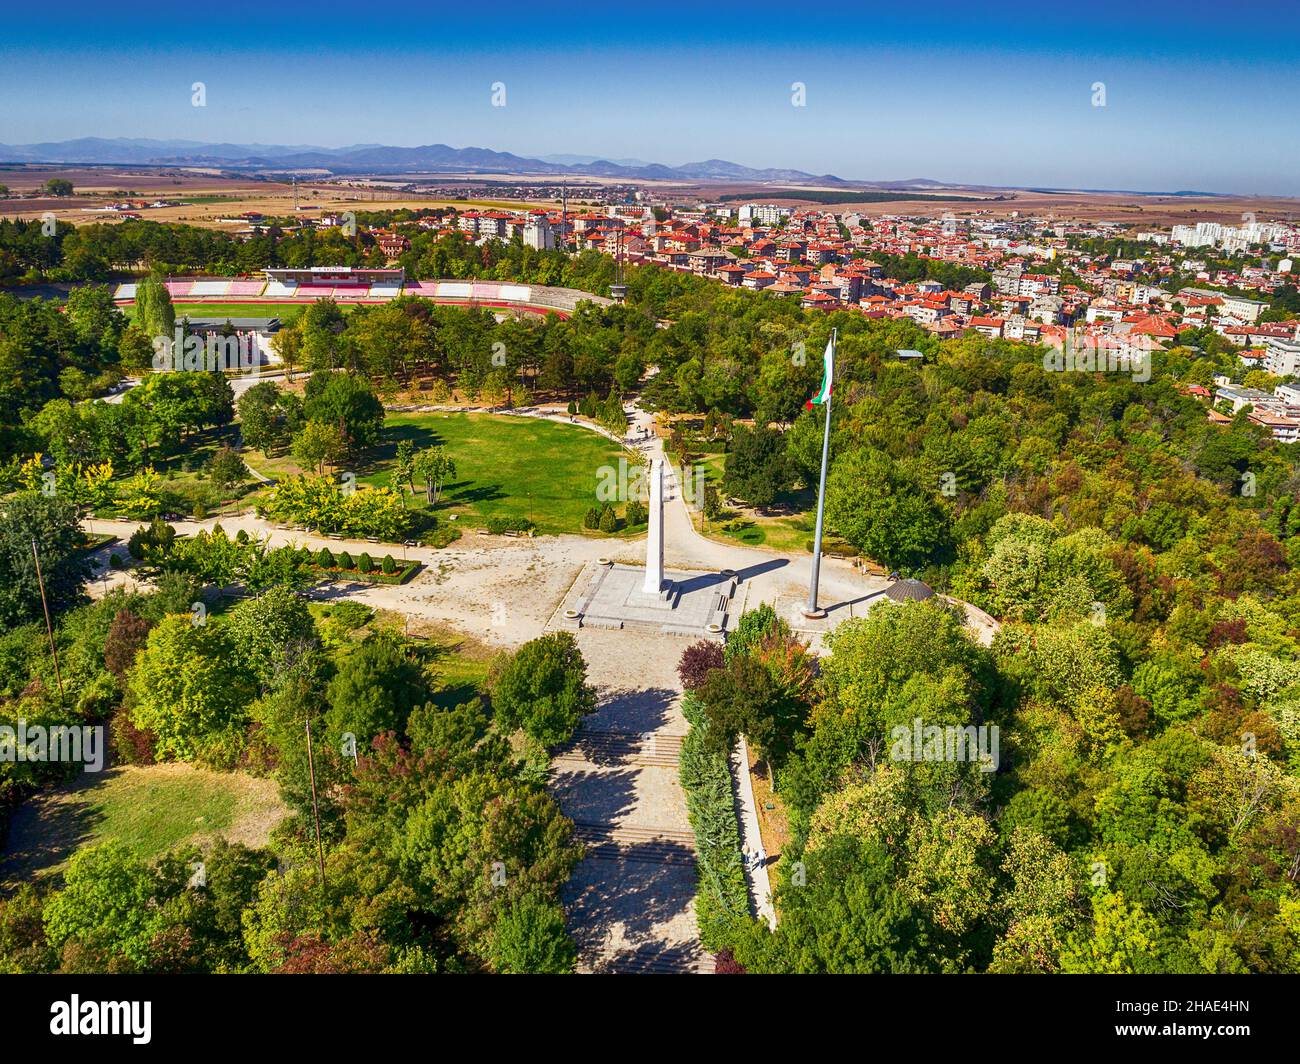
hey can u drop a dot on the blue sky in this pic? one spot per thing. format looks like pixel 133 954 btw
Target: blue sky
pixel 1198 95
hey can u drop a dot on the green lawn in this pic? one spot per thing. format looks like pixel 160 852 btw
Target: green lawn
pixel 286 312
pixel 506 466
pixel 150 809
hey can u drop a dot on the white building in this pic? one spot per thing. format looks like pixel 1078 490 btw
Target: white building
pixel 1282 357
pixel 538 233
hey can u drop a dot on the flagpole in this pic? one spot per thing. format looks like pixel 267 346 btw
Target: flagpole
pixel 812 610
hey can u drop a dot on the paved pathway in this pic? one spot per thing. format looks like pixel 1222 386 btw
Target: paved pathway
pixel 751 839
pixel 629 900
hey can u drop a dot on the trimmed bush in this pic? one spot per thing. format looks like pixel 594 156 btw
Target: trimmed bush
pixel 722 896
pixel 345 560
pixel 365 563
pixel 608 521
pixel 388 565
pixel 591 519
pixel 325 559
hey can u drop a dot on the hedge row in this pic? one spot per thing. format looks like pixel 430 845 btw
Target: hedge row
pixel 722 896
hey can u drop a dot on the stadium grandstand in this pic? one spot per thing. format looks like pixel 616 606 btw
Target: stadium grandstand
pixel 346 284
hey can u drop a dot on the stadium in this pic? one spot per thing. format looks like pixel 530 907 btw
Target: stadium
pixel 359 285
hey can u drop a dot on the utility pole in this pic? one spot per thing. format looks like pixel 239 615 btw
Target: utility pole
pixel 315 809
pixel 49 628
pixel 812 610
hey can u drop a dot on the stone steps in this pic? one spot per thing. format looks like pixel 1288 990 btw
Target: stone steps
pixel 648 845
pixel 653 959
pixel 598 746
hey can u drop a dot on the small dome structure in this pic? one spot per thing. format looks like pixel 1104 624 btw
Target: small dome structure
pixel 909 590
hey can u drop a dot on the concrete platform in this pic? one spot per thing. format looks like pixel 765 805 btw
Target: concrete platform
pixel 610 596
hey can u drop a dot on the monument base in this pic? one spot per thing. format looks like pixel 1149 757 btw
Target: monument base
pixel 613 596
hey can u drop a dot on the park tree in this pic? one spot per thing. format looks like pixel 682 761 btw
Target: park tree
pixel 404 465
pixel 24 948
pixel 374 691
pixel 757 468
pixel 530 938
pixel 318 444
pixel 287 343
pixel 542 688
pixel 275 633
pixel 885 512
pixel 95 318
pixel 226 468
pixel 52 523
pixel 126 635
pixel 268 417
pixel 434 466
pixel 475 846
pixel 154 312
pixel 322 325
pixel 189 686
pixel 345 401
pixel 748 698
pixel 849 916
pixel 106 903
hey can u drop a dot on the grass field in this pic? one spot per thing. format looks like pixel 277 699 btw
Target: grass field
pixel 286 312
pixel 506 466
pixel 150 809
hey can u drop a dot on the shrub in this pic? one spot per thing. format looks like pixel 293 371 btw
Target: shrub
pixel 608 521
pixel 365 563
pixel 637 514
pixel 325 559
pixel 345 560
pixel 591 519
pixel 388 565
pixel 698 660
pixel 155 537
pixel 350 615
pixel 727 964
pixel 131 744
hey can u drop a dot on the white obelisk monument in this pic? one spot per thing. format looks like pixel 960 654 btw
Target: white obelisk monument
pixel 654 544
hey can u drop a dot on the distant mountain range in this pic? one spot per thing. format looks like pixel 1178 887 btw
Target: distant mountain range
pixel 381 158
pixel 443 159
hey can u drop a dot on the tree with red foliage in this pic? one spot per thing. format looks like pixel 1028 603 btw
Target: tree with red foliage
pixel 698 660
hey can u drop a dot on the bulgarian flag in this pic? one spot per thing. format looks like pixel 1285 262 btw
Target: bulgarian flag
pixel 824 393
